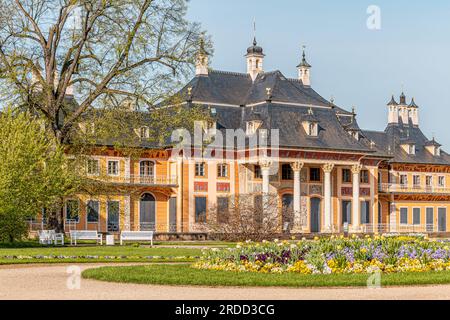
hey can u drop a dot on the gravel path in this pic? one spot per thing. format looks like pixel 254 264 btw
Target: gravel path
pixel 50 282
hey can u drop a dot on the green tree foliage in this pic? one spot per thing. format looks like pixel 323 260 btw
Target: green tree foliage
pixel 34 172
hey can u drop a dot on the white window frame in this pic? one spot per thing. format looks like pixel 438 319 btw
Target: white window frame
pixel 118 168
pixel 98 167
pixel 202 166
pixel 400 179
pixel 441 185
pixel 414 180
pixel 221 168
pixel 154 168
pixel 431 181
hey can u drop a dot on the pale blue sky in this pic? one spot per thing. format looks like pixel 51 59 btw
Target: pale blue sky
pixel 357 66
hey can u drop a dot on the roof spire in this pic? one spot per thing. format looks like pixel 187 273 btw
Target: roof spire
pixel 254 32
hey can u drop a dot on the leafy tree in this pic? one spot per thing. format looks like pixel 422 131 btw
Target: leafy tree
pixel 34 172
pixel 111 52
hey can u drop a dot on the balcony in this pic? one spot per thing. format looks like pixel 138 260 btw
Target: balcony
pixel 402 188
pixel 171 181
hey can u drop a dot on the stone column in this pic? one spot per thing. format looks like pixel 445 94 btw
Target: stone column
pixel 327 168
pixel 356 216
pixel 265 172
pixel 297 168
pixel 127 223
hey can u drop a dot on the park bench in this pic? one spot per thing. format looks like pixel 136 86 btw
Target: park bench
pixel 136 236
pixel 85 235
pixel 50 236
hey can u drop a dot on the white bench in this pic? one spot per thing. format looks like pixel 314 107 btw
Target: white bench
pixel 85 235
pixel 136 236
pixel 50 236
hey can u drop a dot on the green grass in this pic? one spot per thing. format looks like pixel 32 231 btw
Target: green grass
pixel 100 251
pixel 185 275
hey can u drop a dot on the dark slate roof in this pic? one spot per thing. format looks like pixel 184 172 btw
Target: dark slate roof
pixel 396 134
pixel 413 104
pixel 392 102
pixel 255 49
pixel 220 87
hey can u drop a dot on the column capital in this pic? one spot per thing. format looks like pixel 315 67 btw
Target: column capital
pixel 297 166
pixel 328 167
pixel 356 169
pixel 265 164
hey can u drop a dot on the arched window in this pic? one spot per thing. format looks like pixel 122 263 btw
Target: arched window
pixel 147 168
pixel 257 63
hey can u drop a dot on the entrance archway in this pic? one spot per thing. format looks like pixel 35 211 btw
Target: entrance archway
pixel 287 212
pixel 147 212
pixel 315 214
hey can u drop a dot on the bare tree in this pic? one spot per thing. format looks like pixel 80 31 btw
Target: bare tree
pixel 249 217
pixel 109 52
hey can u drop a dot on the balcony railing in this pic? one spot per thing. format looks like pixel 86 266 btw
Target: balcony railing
pixel 402 188
pixel 401 228
pixel 143 180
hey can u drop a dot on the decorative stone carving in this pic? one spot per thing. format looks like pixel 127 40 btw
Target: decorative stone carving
pixel 265 164
pixel 356 169
pixel 328 167
pixel 297 166
pixel 315 189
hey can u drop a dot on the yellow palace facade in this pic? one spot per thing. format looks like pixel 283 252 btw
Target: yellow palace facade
pixel 334 175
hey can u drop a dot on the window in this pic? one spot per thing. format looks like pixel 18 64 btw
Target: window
pixel 200 169
pixel 346 212
pixel 257 172
pixel 365 212
pixel 147 168
pixel 404 180
pixel 364 176
pixel 93 167
pixel 144 133
pixel 404 215
pixel 411 149
pixel 113 168
pixel 222 170
pixel 314 174
pixel 93 211
pixel 416 180
pixel 416 215
pixel 252 126
pixel 312 129
pixel 441 181
pixel 200 209
pixel 346 176
pixel 72 210
pixel 222 209
pixel 286 172
pixel 113 216
pixel 429 181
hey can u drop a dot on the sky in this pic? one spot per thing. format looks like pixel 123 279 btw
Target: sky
pixel 357 65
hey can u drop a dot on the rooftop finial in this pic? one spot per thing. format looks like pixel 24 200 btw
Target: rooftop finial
pixel 254 32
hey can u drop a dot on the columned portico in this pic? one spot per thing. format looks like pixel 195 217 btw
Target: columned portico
pixel 356 169
pixel 327 168
pixel 296 168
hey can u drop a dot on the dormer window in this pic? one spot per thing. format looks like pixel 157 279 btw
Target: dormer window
pixel 312 129
pixel 209 127
pixel 144 132
pixel 310 124
pixel 433 147
pixel 252 127
pixel 409 148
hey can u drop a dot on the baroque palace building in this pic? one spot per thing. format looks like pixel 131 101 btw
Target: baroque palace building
pixel 336 176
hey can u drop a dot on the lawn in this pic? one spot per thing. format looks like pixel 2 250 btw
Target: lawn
pixel 185 275
pixel 92 253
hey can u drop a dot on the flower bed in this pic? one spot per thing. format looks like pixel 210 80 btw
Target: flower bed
pixel 332 255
